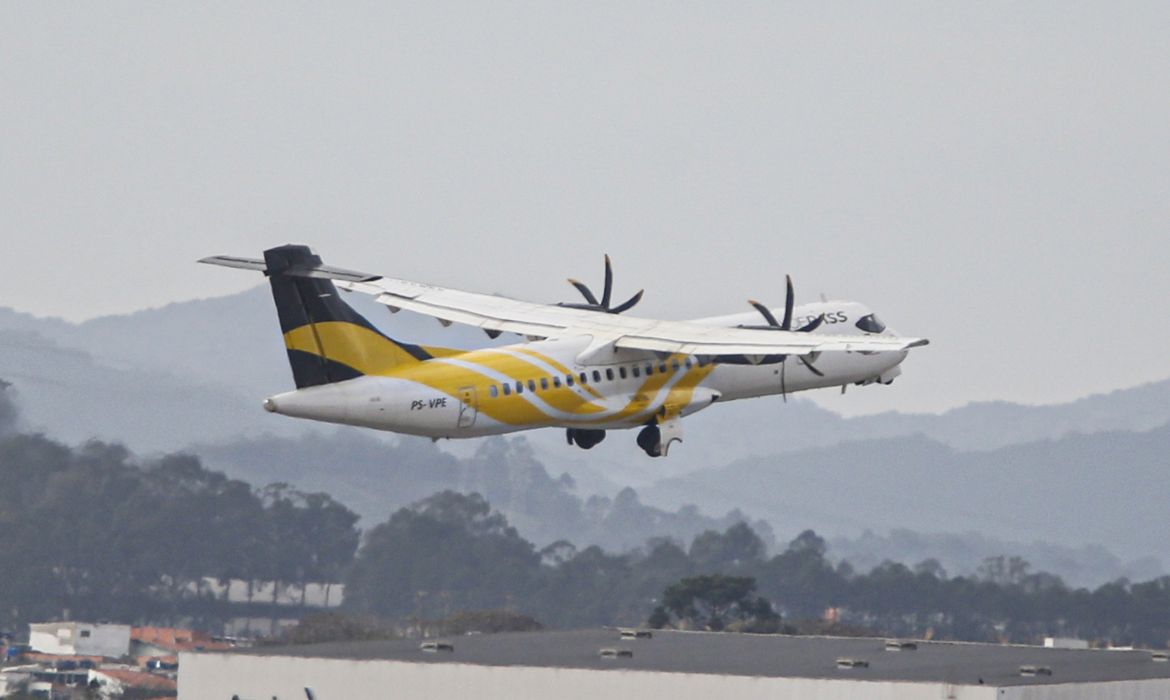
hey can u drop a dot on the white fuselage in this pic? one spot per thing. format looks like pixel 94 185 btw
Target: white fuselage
pixel 579 382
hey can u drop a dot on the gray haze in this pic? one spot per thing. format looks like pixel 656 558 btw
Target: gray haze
pixel 1072 487
pixel 992 175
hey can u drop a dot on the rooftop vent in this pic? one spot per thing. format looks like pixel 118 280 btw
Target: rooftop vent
pixel 1030 671
pixel 1160 656
pixel 434 647
pixel 844 662
pixel 636 634
pixel 899 645
pixel 611 653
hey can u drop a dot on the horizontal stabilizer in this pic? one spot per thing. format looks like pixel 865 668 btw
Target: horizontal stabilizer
pixel 233 261
pixel 323 272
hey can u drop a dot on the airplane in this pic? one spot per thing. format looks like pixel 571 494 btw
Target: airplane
pixel 587 368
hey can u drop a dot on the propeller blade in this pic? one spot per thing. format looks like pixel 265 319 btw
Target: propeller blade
pixel 585 291
pixel 789 300
pixel 765 312
pixel 809 364
pixel 811 325
pixel 628 304
pixel 608 290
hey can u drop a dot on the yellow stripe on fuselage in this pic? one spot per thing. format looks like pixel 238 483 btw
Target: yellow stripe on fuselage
pixel 514 409
pixel 557 365
pixel 680 393
pixel 371 353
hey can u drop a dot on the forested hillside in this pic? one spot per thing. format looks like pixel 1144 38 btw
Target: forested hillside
pixel 191 376
pixel 94 532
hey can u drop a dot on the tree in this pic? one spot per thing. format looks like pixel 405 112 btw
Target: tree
pixel 335 627
pixel 800 579
pixel 445 553
pixel 739 546
pixel 659 618
pixel 709 602
pixel 592 588
pixel 8 411
pixel 312 537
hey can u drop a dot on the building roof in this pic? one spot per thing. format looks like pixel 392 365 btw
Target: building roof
pixel 138 679
pixel 175 639
pixel 46 657
pixel 757 655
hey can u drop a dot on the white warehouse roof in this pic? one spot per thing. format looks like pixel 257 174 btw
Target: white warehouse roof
pixel 805 667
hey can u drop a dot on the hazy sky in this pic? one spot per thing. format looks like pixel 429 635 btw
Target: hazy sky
pixel 995 176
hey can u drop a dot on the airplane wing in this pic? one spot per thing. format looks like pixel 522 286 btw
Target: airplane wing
pixel 500 314
pixel 496 314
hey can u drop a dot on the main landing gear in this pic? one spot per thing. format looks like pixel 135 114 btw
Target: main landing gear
pixel 583 438
pixel 654 438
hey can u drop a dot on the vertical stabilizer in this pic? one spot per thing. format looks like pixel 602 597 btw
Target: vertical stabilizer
pixel 327 340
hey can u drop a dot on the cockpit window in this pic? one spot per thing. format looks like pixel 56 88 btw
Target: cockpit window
pixel 871 324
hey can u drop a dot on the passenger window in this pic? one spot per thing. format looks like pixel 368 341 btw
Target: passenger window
pixel 622 372
pixel 609 374
pixel 596 376
pixel 507 390
pixel 637 372
pixel 674 365
pixel 544 384
pixel 662 368
pixel 584 378
pixel 649 370
pixel 569 379
pixel 519 387
pixel 493 391
pixel 688 363
pixel 531 385
pixel 556 382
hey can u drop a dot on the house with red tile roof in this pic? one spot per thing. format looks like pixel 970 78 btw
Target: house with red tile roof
pixel 162 642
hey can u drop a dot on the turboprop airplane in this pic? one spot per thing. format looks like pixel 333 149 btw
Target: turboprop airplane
pixel 585 367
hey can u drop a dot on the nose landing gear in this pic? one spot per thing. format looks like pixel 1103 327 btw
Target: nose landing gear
pixel 650 439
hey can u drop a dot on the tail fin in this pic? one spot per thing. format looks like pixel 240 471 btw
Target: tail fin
pixel 327 340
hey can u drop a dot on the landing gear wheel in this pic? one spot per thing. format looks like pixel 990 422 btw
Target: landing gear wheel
pixel 585 439
pixel 648 440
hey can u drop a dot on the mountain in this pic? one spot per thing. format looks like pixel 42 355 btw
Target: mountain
pixel 189 372
pixel 67 393
pixel 375 477
pixel 193 373
pixel 960 554
pixel 229 350
pixel 1102 488
pixel 991 425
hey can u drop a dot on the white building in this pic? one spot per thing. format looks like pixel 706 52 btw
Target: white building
pixel 671 666
pixel 79 639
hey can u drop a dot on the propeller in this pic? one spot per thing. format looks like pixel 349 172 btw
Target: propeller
pixel 786 324
pixel 592 303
